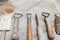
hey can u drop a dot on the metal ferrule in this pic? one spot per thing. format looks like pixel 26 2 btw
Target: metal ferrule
pixel 28 18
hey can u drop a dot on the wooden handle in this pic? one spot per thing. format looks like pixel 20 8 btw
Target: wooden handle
pixel 29 36
pixel 49 29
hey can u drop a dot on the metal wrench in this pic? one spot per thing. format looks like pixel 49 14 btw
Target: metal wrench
pixel 29 30
pixel 15 31
pixel 48 26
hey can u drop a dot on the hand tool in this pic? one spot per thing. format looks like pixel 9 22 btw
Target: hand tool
pixel 4 28
pixel 15 31
pixel 40 35
pixel 57 23
pixel 37 24
pixel 48 26
pixel 29 28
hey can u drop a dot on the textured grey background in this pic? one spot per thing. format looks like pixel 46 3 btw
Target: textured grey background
pixel 33 7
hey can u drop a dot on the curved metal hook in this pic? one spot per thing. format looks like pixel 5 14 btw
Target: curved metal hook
pixel 45 14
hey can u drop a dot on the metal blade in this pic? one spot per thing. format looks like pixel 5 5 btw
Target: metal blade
pixel 37 23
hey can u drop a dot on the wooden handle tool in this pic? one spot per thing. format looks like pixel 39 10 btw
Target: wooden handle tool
pixel 29 30
pixel 48 26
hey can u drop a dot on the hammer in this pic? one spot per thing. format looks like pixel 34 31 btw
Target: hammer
pixel 48 26
pixel 29 30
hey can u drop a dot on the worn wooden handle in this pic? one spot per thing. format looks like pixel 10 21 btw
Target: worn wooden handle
pixel 49 29
pixel 29 36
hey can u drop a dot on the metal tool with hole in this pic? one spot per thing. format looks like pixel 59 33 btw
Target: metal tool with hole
pixel 15 31
pixel 29 28
pixel 48 26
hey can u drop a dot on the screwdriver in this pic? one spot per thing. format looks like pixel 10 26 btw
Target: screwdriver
pixel 29 30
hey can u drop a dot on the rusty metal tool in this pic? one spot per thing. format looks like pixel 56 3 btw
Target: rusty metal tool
pixel 37 24
pixel 48 26
pixel 15 31
pixel 29 28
